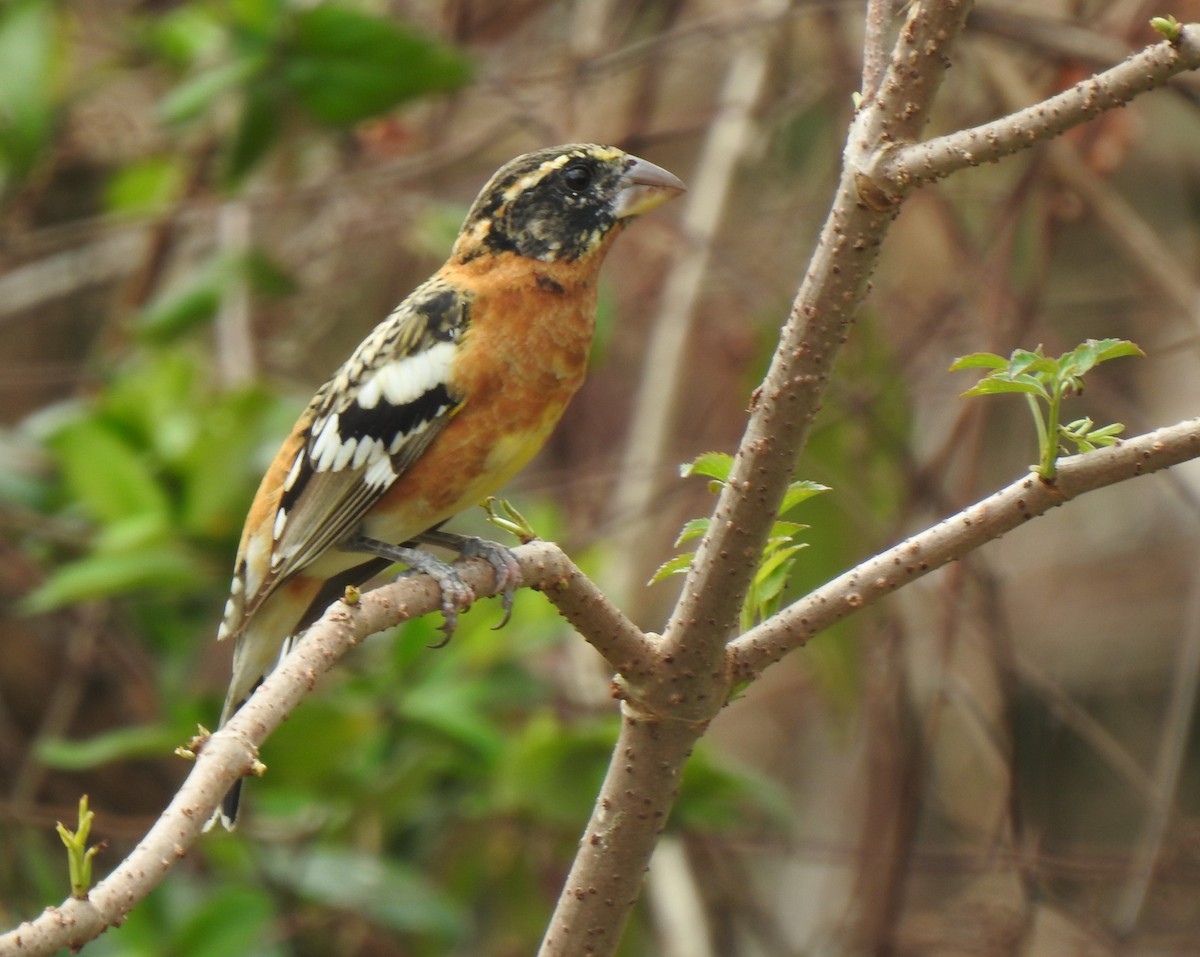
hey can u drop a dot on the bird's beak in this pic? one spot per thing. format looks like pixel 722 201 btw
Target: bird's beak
pixel 644 186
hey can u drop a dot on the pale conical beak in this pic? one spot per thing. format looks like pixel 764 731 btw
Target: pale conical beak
pixel 644 186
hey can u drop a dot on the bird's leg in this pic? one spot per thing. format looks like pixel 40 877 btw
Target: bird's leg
pixel 504 563
pixel 456 593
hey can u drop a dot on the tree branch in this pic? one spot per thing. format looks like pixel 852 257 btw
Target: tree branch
pixel 896 171
pixel 955 537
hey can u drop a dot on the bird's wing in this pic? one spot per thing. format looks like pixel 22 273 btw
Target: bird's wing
pixel 361 432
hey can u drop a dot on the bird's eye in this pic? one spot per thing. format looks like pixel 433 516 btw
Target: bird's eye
pixel 577 177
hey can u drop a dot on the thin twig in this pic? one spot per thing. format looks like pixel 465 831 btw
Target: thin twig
pixel 898 170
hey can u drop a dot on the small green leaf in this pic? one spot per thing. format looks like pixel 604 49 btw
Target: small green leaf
pixel 145 186
pixel 693 528
pixel 257 131
pixel 714 465
pixel 1117 348
pixel 79 855
pixel 31 50
pixel 345 66
pixel 104 472
pixel 392 894
pixel 178 311
pixel 194 96
pixel 104 575
pixel 511 521
pixel 782 531
pixel 979 360
pixel 678 565
pixel 1108 434
pixel 184 35
pixel 1024 361
pixel 120 744
pixel 1049 381
pixel 990 386
pixel 800 491
pixel 1167 27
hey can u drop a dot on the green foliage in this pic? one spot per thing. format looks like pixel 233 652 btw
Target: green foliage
pixel 1167 27
pixel 158 465
pixel 327 63
pixel 504 515
pixel 30 50
pixel 186 917
pixel 118 744
pixel 79 855
pixel 1046 382
pixel 146 186
pixel 778 556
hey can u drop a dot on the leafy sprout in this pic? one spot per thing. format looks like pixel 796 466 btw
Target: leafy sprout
pixel 79 855
pixel 1046 382
pixel 775 566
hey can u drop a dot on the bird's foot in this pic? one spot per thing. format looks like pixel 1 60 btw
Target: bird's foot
pixel 504 563
pixel 456 593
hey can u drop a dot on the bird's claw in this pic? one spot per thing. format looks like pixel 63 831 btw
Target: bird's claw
pixel 456 594
pixel 504 563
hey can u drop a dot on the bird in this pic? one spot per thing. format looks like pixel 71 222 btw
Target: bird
pixel 439 406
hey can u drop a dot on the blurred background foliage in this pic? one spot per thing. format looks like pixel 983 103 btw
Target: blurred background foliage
pixel 207 203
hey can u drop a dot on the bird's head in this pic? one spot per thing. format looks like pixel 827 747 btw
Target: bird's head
pixel 562 203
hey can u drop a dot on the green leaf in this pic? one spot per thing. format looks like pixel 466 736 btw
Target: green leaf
pixel 692 529
pixel 392 894
pixel 454 710
pixel 1024 361
pixel 1026 384
pixel 30 51
pixel 715 465
pixel 979 360
pixel 217 470
pixel 800 491
pixel 228 920
pixel 103 575
pixel 108 476
pixel 178 311
pixel 145 186
pixel 119 744
pixel 194 96
pixel 552 769
pixel 715 797
pixel 672 566
pixel 782 531
pixel 185 35
pixel 772 574
pixel 1167 27
pixel 344 65
pixel 257 131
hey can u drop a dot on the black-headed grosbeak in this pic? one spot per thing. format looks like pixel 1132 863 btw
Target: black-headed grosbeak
pixel 446 399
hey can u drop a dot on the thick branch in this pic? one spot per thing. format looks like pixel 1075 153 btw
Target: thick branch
pixel 955 537
pixel 787 402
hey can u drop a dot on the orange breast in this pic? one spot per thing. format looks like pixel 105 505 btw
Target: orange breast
pixel 523 356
